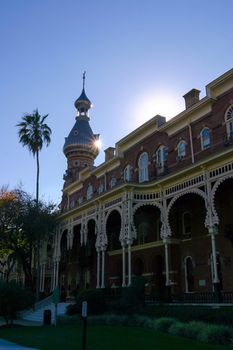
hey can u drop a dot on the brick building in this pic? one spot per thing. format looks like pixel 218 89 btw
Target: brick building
pixel 159 206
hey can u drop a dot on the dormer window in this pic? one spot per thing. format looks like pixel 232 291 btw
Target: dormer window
pixel 181 149
pixel 143 163
pixel 205 138
pixel 229 122
pixel 89 192
pixel 127 173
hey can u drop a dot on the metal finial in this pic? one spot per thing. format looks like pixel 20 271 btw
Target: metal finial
pixel 84 77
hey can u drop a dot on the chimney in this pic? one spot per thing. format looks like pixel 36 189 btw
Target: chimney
pixel 160 120
pixel 109 153
pixel 191 98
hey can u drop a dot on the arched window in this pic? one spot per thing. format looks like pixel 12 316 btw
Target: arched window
pixel 189 274
pixel 161 159
pixel 143 167
pixel 205 138
pixel 186 224
pixel 229 122
pixel 89 191
pixel 181 148
pixel 127 173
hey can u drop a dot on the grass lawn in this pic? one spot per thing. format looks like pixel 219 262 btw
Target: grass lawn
pixel 69 337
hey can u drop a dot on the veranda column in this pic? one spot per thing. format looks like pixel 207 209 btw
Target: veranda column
pixel 212 231
pixel 56 272
pixel 129 263
pixel 123 264
pixel 167 270
pixel 98 268
pixel 103 266
pixel 212 220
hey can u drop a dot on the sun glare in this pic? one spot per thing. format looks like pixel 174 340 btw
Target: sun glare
pixel 98 144
pixel 166 104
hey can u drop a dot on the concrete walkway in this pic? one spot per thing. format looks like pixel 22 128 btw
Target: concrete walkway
pixel 6 345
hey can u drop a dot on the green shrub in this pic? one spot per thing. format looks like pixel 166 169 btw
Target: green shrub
pixel 163 324
pixel 132 298
pixel 178 328
pixel 74 319
pixel 221 316
pixel 95 301
pixel 193 329
pixel 216 334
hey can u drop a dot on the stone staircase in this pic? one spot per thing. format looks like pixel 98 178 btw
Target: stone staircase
pixel 37 314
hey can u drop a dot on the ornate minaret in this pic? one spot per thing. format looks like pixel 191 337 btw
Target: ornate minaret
pixel 80 146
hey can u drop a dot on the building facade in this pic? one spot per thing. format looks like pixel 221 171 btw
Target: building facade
pixel 159 206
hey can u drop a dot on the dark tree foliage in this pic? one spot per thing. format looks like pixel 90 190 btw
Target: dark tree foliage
pixel 13 298
pixel 22 223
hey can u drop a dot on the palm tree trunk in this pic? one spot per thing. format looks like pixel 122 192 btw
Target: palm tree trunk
pixel 37 177
pixel 38 239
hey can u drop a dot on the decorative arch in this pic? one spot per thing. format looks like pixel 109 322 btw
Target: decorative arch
pixel 213 193
pixel 113 238
pixel 191 191
pixel 141 205
pixel 137 206
pixel 111 210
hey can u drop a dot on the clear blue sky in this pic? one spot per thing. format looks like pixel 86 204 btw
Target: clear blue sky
pixel 141 56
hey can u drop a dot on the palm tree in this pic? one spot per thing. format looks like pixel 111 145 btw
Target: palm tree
pixel 33 134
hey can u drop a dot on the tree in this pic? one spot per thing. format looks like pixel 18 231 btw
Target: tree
pixel 33 133
pixel 13 298
pixel 24 222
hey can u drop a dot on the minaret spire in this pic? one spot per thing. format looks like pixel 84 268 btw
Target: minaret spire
pixel 84 78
